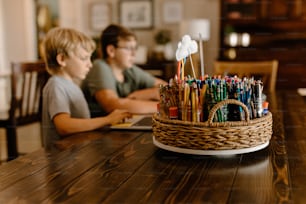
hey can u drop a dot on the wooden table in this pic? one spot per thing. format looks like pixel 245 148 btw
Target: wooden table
pixel 125 167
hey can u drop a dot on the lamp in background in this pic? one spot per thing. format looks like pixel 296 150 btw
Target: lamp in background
pixel 198 29
pixel 233 40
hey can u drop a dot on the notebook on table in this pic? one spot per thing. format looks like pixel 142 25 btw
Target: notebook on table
pixel 137 122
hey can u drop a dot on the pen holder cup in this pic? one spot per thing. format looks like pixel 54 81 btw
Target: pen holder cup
pixel 209 135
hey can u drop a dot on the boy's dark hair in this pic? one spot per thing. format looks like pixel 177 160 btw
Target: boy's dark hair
pixel 112 34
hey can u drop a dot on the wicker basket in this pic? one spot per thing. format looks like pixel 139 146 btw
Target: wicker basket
pixel 211 135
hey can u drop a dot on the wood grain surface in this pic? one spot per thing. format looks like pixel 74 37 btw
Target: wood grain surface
pixel 108 166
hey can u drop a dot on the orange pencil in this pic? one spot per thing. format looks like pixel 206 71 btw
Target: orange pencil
pixel 179 71
pixel 182 63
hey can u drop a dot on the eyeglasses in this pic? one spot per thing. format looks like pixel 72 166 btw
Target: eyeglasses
pixel 130 49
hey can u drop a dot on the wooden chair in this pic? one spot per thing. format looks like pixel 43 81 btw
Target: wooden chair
pixel 27 81
pixel 264 70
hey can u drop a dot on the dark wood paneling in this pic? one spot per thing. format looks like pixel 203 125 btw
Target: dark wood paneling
pixel 278 31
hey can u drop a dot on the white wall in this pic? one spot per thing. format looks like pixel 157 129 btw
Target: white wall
pixel 18 30
pixel 2 53
pixel 3 80
pixel 17 38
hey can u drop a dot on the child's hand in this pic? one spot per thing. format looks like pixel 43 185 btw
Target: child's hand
pixel 118 116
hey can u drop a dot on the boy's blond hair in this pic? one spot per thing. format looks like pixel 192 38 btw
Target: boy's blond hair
pixel 63 41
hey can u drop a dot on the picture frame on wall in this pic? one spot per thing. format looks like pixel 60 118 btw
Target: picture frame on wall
pixel 100 15
pixel 172 11
pixel 136 14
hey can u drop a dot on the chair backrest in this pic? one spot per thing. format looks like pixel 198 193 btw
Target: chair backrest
pixel 27 82
pixel 266 71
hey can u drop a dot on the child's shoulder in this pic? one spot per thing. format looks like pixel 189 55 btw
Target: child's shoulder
pixel 56 81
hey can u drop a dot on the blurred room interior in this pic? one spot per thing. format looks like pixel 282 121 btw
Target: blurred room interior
pixel 238 30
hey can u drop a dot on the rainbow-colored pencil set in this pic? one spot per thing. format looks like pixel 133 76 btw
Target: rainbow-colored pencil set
pixel 189 99
pixel 192 99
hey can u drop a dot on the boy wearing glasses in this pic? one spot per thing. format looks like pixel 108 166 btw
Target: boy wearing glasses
pixel 115 82
pixel 67 55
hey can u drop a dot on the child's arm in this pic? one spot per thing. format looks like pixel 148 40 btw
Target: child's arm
pixel 145 94
pixel 109 101
pixel 148 93
pixel 65 125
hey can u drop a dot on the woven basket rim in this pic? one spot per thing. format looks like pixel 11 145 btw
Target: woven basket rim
pixel 210 123
pixel 156 117
pixel 213 136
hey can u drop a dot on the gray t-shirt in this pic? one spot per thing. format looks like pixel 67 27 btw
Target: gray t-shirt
pixel 101 77
pixel 61 96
